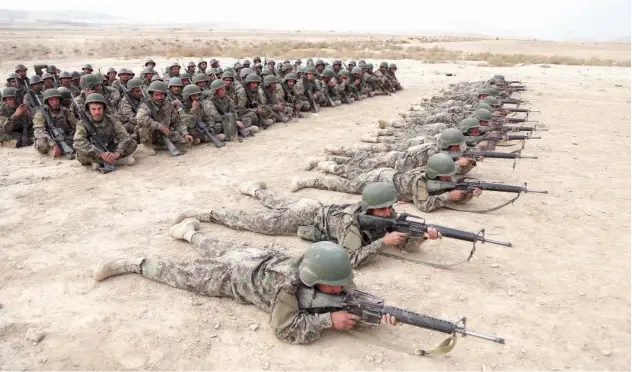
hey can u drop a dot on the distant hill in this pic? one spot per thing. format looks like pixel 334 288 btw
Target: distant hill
pixel 66 17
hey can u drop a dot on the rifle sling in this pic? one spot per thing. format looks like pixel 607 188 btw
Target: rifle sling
pixel 431 264
pixel 444 347
pixel 486 210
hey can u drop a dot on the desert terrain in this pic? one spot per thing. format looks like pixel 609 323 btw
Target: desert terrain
pixel 560 297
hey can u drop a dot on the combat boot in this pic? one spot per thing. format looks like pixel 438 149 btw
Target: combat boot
pixel 301 183
pixel 334 150
pixel 267 122
pixel 148 149
pixel 178 231
pixel 117 266
pixel 253 129
pixel 328 166
pixel 311 162
pixel 250 188
pixel 128 160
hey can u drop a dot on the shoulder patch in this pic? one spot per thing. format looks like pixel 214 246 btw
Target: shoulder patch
pixel 352 239
pixel 284 310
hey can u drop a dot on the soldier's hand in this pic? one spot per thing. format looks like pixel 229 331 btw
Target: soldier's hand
pixel 20 110
pixel 332 83
pixel 456 195
pixel 176 103
pixel 188 138
pixel 315 96
pixel 241 125
pixel 195 105
pixel 260 111
pixel 343 321
pixel 280 108
pixel 432 234
pixel 390 320
pixel 483 145
pixel 56 151
pixel 464 162
pixel 477 192
pixel 165 131
pixel 109 157
pixel 394 238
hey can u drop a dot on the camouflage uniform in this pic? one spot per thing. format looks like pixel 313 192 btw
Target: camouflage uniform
pixel 307 218
pixel 11 127
pixel 112 96
pixel 113 135
pixel 411 186
pixel 166 117
pixel 264 278
pixel 302 89
pixel 127 114
pixel 64 119
pixel 217 108
pixel 190 117
pixel 333 92
pixel 270 104
pixel 243 103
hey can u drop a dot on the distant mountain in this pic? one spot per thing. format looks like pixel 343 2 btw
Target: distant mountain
pixel 9 16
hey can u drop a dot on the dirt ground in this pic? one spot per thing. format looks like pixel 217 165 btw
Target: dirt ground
pixel 560 297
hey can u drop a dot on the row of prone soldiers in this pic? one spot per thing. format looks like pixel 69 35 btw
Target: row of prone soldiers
pixel 171 112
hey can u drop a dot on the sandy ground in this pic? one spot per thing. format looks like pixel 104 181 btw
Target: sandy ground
pixel 560 298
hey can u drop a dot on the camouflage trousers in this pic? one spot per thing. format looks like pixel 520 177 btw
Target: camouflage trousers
pixel 350 183
pixel 304 104
pixel 249 116
pixel 283 216
pixel 129 127
pixel 226 270
pixel 154 137
pixel 128 149
pixel 362 161
pixel 11 139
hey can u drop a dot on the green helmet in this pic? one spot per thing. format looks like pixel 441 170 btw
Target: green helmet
pixel 217 84
pixel 90 81
pixel 492 101
pixel 325 263
pixel 369 66
pixel 309 60
pixel 185 75
pixel 19 67
pixel 213 61
pixel 190 90
pixel 344 73
pixel 469 123
pixel 494 91
pixel 63 75
pixel 336 62
pixel 134 83
pixel 270 79
pixel 440 164
pixel 199 77
pixel 384 64
pixel 256 59
pixel 499 77
pixel 228 74
pixel 149 61
pixel 483 115
pixel 148 70
pixel 319 62
pixel 310 70
pixel 12 76
pixel 484 105
pixel 351 63
pixel 286 67
pixel 361 62
pixel 245 72
pixel 329 73
pixel 46 75
pixel 253 78
pixel 362 66
pixel 483 92
pixel 378 195
pixel 290 76
pixel 266 71
pixel 158 86
pixel 95 98
pixel 237 66
pixel 392 65
pixel 356 70
pixel 87 66
pixel 452 137
pixel 246 62
pixel 65 93
pixel 35 79
pixel 50 93
pixel 157 78
pixel 9 92
pixel 175 82
pixel 302 70
pixel 75 75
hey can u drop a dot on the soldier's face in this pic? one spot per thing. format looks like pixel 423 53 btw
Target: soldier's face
pixel 309 76
pixel 54 102
pixel 98 88
pixel 203 65
pixel 482 96
pixel 383 69
pixel 96 110
pixel 137 93
pixel 65 82
pixel 111 76
pixel 201 84
pixel 11 102
pixel 445 178
pixel 272 86
pixel 13 83
pixel 148 76
pixel 329 289
pixel 75 82
pixel 37 87
pixel 221 92
pixel 253 86
pixel 87 70
pixel 484 123
pixel 150 65
pixel 228 82
pixel 158 97
pixel 215 65
pixel 381 212
pixel 175 70
pixel 191 69
pixel 393 69
pixel 176 90
pixel 474 132
pixel 290 83
pixel 186 82
pixel 351 67
pixel 246 65
pixel 337 67
pixel 194 97
pixel 21 73
pixel 48 82
pixel 125 77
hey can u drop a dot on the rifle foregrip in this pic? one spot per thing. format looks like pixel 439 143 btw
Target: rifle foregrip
pixel 500 187
pixel 455 233
pixel 419 320
pixel 495 154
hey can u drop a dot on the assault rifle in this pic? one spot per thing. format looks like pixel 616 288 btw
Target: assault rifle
pixel 57 134
pixel 371 308
pixel 520 120
pixel 475 154
pixel 95 139
pixel 508 109
pixel 210 133
pixel 471 186
pixel 34 101
pixel 513 101
pixel 279 116
pixel 173 150
pixel 415 226
pixel 312 101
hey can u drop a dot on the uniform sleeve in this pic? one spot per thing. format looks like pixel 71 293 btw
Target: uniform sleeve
pixel 143 118
pixel 298 89
pixel 71 119
pixel 242 100
pixel 7 123
pixel 432 202
pixel 262 97
pixel 189 119
pixel 126 112
pixel 213 116
pixel 178 124
pixel 39 125
pixel 122 137
pixel 294 326
pixel 359 254
pixel 82 143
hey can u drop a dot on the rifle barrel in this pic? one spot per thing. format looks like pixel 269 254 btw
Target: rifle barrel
pixel 465 332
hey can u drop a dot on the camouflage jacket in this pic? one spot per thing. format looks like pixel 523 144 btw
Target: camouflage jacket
pixel 111 132
pixel 64 119
pixel 10 124
pixel 127 114
pixel 303 88
pixel 263 97
pixel 190 116
pixel 166 117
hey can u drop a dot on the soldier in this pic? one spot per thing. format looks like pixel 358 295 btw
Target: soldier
pixel 175 92
pixel 246 63
pixel 347 91
pixel 313 221
pixel 76 79
pixel 149 64
pixel 219 104
pixel 290 96
pixel 66 99
pixel 247 102
pixel 60 117
pixel 359 83
pixel 228 78
pixel 256 60
pixel 238 68
pixel 270 66
pixel 21 70
pixel 275 108
pixel 330 88
pixel 190 68
pixel 124 76
pixel 173 71
pixel 86 69
pixel 128 108
pixel 65 80
pixel 201 67
pixel 155 115
pixel 185 78
pixel 307 89
pixel 267 279
pixel 411 185
pixel 89 84
pixel 214 63
pixel 201 81
pixel 373 82
pixel 48 80
pixel 193 111
pixel 112 96
pixel 297 64
pixel 286 69
pixel 119 143
pixel 36 86
pixel 13 81
pixel 350 66
pixel 392 68
pixel 14 121
pixel 111 76
pixel 384 81
pixel 146 75
pixel 320 66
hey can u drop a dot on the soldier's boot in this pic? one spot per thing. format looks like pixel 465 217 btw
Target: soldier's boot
pixel 370 138
pixel 251 187
pixel 122 265
pixel 383 123
pixel 311 162
pixel 148 149
pixel 334 150
pixel 184 229
pixel 378 147
pixel 301 183
pixel 221 137
pixel 253 129
pixel 329 167
pixel 128 160
pixel 196 141
pixel 267 122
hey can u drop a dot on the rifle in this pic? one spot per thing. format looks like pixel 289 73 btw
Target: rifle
pixel 326 94
pixel 34 101
pixel 518 110
pixel 371 308
pixel 434 185
pixel 277 115
pixel 173 150
pixel 519 128
pixel 95 139
pixel 312 102
pixel 210 133
pixel 415 226
pixel 512 101
pixel 475 154
pixel 520 120
pixel 57 134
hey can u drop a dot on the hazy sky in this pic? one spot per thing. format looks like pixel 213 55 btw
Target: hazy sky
pixel 597 20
